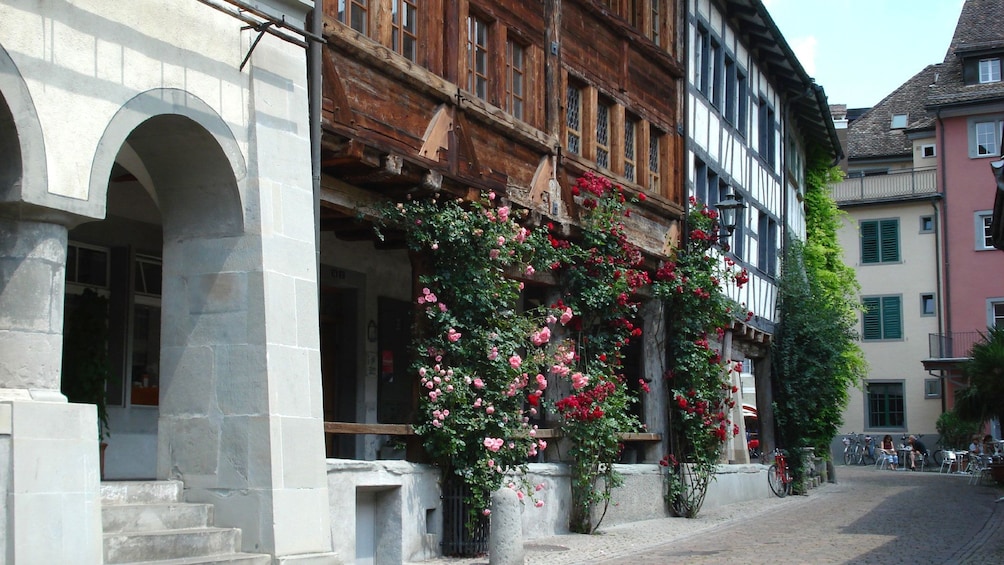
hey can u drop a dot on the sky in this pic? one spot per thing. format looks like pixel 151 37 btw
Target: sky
pixel 862 50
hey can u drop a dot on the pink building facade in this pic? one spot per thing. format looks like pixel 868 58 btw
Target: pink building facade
pixel 967 102
pixel 974 281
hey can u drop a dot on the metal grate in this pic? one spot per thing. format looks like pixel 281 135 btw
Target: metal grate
pixel 460 537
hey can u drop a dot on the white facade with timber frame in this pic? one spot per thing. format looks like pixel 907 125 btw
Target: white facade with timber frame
pixel 753 116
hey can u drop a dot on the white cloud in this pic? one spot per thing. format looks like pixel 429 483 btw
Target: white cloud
pixel 805 50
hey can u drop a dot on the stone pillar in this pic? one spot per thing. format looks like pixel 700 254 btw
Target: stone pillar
pixel 505 541
pixel 32 281
pixel 49 476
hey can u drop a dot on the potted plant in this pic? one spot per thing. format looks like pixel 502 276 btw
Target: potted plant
pixel 86 363
pixel 983 399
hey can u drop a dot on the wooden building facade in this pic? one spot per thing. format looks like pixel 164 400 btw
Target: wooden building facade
pixel 462 97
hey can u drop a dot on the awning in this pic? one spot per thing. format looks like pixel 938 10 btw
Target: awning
pixel 749 411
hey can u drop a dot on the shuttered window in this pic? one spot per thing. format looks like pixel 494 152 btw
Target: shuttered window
pixel 883 318
pixel 880 241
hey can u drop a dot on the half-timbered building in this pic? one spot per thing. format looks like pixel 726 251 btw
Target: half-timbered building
pixel 754 117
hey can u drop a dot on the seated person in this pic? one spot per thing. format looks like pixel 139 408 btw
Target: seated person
pixel 989 445
pixel 918 447
pixel 975 446
pixel 888 448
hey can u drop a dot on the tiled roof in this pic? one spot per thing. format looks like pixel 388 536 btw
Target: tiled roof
pixel 980 27
pixel 872 135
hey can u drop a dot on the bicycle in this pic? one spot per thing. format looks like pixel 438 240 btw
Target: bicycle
pixel 779 475
pixel 852 449
pixel 858 448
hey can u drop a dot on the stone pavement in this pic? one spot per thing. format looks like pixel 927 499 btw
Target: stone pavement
pixel 868 516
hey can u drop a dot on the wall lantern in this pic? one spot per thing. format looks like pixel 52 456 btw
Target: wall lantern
pixel 728 209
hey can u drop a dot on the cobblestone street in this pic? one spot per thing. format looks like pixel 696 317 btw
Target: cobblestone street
pixel 868 516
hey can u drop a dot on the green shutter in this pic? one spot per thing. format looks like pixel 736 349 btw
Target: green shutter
pixel 869 242
pixel 892 319
pixel 871 320
pixel 890 241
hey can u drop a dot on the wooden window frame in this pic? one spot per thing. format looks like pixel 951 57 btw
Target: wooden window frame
pixel 629 154
pixel 346 15
pixel 398 31
pixel 573 120
pixel 511 71
pixel 653 25
pixel 603 129
pixel 473 70
pixel 656 146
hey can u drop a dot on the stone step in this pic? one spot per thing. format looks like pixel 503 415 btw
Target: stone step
pixel 129 547
pixel 135 492
pixel 231 559
pixel 147 517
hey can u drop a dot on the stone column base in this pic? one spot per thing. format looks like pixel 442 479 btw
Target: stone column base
pixel 49 478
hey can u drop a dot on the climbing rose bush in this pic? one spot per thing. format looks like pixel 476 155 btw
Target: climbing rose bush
pixel 692 285
pixel 601 274
pixel 480 361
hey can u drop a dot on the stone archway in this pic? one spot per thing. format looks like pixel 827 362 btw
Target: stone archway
pixel 239 416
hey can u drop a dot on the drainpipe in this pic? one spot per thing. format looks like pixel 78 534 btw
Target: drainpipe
pixel 314 55
pixel 938 299
pixel 944 214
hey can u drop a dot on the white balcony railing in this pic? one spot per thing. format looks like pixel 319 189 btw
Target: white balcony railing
pixel 893 186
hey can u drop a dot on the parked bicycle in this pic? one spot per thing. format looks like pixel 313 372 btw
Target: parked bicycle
pixel 779 476
pixel 858 449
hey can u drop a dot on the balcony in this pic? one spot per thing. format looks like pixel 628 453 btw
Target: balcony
pixel 897 185
pixel 953 345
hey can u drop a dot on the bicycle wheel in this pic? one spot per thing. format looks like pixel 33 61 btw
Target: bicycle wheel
pixel 938 457
pixel 776 481
pixel 847 456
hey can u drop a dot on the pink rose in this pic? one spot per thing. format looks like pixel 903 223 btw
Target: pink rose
pixel 541 337
pixel 566 316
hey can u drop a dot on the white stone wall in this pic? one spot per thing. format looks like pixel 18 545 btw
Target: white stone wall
pixel 408 515
pixel 156 86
